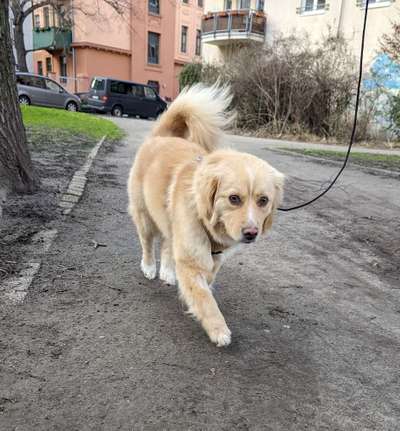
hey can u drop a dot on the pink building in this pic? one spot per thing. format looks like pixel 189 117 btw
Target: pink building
pixel 149 43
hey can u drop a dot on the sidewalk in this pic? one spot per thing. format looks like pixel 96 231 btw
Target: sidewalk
pixel 276 143
pixel 313 307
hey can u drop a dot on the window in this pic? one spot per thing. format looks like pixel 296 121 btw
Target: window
pixel 63 65
pixel 97 84
pixel 63 69
pixel 149 93
pixel 25 80
pixel 38 82
pixel 46 16
pixel 228 4
pixel 40 67
pixel 153 48
pixel 31 81
pixel 200 3
pixel 244 4
pixel 52 86
pixel 260 5
pixel 119 87
pixel 184 32
pixel 375 3
pixel 48 65
pixel 155 85
pixel 313 5
pixel 185 1
pixel 198 42
pixel 154 6
pixel 137 90
pixel 36 20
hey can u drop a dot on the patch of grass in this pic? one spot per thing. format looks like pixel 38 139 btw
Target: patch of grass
pixel 75 123
pixel 384 161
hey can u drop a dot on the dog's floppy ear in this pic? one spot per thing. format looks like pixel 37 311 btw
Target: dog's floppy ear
pixel 207 190
pixel 279 180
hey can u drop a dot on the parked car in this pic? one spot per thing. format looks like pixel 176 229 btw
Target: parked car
pixel 39 90
pixel 123 97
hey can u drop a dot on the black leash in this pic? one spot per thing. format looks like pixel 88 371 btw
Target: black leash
pixel 353 133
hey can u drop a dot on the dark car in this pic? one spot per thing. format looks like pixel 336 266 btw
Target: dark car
pixel 39 90
pixel 123 97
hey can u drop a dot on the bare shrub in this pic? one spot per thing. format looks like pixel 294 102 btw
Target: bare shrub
pixel 368 112
pixel 390 43
pixel 290 86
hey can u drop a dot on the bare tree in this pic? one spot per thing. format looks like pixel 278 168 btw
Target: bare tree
pixel 16 170
pixel 23 9
pixel 391 42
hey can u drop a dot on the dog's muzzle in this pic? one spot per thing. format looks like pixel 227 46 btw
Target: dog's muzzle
pixel 249 234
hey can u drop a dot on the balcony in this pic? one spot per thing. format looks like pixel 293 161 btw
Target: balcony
pixel 221 28
pixel 51 38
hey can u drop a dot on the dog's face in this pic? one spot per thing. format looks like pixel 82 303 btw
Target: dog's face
pixel 238 196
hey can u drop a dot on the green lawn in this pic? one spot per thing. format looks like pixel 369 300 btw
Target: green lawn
pixel 385 161
pixel 76 123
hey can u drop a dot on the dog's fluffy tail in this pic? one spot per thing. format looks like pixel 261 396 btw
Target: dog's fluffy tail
pixel 198 114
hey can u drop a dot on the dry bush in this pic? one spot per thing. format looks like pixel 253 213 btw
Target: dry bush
pixel 290 86
pixel 390 43
pixel 367 128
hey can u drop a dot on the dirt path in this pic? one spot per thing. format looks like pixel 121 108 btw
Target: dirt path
pixel 314 310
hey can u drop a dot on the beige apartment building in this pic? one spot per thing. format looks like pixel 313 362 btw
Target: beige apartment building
pixel 148 44
pixel 229 24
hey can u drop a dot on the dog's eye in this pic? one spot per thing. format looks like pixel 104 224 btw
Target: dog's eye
pixel 262 201
pixel 234 199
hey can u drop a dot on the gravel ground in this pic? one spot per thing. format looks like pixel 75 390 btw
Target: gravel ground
pixel 56 156
pixel 314 309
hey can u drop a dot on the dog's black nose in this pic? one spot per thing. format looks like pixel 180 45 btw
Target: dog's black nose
pixel 249 234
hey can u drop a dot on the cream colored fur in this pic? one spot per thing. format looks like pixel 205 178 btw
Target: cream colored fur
pixel 180 190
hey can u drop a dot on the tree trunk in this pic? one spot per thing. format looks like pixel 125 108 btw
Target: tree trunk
pixel 19 44
pixel 16 170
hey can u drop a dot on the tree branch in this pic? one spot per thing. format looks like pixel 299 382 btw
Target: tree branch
pixel 24 3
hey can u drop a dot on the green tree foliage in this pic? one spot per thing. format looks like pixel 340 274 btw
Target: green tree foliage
pixel 190 75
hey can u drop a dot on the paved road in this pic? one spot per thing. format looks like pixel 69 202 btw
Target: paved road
pixel 314 310
pixel 281 143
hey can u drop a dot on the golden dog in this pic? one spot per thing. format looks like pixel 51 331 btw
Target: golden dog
pixel 199 200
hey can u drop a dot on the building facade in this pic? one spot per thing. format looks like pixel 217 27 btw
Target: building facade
pixel 149 43
pixel 222 34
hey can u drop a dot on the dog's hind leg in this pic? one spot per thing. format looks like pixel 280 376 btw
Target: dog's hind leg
pixel 147 232
pixel 201 303
pixel 167 267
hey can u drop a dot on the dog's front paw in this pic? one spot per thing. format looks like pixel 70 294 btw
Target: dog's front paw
pixel 167 275
pixel 149 271
pixel 220 335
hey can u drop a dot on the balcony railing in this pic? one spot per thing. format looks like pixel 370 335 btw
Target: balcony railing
pixel 51 38
pixel 233 24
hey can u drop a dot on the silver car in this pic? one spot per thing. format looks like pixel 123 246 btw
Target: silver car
pixel 39 90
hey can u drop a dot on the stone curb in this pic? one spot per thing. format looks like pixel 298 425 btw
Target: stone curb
pixel 77 184
pixel 16 288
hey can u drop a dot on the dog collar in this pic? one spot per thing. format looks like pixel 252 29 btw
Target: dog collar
pixel 216 252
